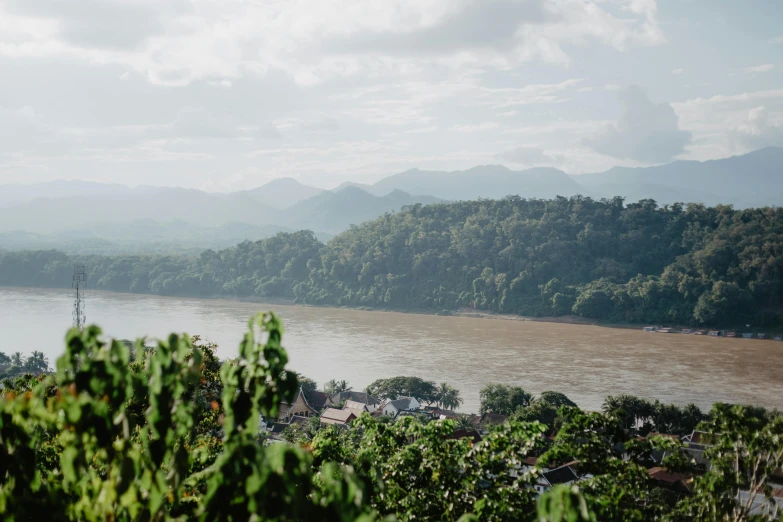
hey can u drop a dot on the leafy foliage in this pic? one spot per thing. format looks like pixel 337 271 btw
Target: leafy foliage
pixel 119 441
pixel 503 399
pixel 394 387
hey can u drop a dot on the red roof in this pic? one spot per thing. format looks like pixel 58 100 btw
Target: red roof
pixel 663 475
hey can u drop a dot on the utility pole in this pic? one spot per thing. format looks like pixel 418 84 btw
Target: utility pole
pixel 79 284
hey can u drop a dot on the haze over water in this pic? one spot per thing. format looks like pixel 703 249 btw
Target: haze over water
pixel 585 362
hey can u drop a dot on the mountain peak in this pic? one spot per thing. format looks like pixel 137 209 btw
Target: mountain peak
pixel 283 192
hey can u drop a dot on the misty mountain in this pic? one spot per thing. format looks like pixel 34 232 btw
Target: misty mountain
pixel 335 211
pixel 750 180
pixel 17 193
pixel 282 193
pixel 85 211
pixel 183 218
pixel 485 181
pixel 144 236
pixel 45 216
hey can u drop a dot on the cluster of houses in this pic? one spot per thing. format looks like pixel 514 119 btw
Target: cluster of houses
pixel 342 408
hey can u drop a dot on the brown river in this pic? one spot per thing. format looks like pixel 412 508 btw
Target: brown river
pixel 584 362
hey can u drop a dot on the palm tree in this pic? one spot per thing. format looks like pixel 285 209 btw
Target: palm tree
pixel 448 396
pixel 37 362
pixel 17 361
pixel 335 386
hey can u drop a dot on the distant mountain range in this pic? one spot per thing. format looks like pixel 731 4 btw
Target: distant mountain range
pixel 751 180
pixel 98 211
pixel 121 219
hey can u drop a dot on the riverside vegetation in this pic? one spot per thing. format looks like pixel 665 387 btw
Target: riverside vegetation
pixel 607 260
pixel 171 433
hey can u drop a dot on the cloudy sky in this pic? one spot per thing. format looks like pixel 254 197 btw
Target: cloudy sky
pixel 228 94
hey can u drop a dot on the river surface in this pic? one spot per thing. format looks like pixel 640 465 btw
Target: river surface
pixel 586 363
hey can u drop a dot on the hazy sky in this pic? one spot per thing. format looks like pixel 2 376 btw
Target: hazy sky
pixel 228 94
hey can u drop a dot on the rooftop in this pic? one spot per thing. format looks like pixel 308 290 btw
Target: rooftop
pixel 335 416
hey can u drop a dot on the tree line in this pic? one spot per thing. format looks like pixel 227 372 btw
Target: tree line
pixel 607 260
pixel 171 433
pixel 18 364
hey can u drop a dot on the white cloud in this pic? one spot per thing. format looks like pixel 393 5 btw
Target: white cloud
pixel 646 132
pixel 759 68
pixel 501 98
pixel 200 89
pixel 24 131
pixel 491 125
pixel 422 130
pixel 776 40
pixel 732 124
pixel 179 42
pixel 759 130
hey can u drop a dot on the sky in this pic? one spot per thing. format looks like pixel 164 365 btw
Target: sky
pixel 224 95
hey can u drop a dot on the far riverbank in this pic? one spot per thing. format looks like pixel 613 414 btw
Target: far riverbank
pixel 461 312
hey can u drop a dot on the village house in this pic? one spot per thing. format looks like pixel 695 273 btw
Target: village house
pixel 696 444
pixel 438 413
pixel 669 480
pixel 393 408
pixel 547 478
pixel 318 400
pixel 357 408
pixel 365 398
pixel 335 417
pixel 487 419
pixel 300 406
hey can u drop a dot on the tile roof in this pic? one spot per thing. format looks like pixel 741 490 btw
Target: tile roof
pixel 362 397
pixel 560 475
pixel 355 405
pixel 403 403
pixel 278 427
pixel 437 412
pixel 335 416
pixel 317 400
pixel 664 475
pixel 492 418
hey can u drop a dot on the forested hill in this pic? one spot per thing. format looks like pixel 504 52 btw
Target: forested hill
pixel 601 259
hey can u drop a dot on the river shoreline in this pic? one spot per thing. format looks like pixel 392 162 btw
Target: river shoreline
pixel 462 312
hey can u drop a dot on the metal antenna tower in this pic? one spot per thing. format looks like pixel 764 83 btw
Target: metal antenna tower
pixel 79 283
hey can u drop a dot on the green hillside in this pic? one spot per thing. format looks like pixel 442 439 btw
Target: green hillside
pixel 605 260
